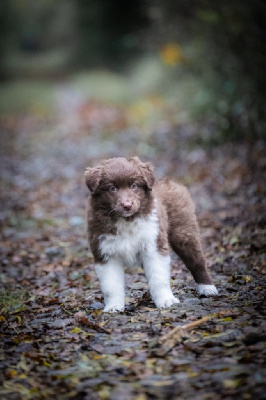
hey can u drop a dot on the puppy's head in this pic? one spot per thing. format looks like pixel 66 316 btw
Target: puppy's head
pixel 121 187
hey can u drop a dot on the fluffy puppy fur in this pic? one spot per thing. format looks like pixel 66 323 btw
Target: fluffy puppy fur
pixel 133 219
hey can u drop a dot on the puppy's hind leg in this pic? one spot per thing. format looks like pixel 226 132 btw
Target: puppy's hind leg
pixel 186 244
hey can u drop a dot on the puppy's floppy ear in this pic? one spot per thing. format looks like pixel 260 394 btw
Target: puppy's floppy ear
pixel 93 177
pixel 147 170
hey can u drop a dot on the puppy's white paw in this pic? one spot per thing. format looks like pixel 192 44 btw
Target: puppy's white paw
pixel 166 301
pixel 206 290
pixel 114 306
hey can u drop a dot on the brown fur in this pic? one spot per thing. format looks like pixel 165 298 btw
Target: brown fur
pixel 178 226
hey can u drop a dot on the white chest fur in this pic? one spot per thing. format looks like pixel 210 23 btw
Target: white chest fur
pixel 133 238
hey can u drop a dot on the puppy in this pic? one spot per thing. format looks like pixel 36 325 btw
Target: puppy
pixel 133 219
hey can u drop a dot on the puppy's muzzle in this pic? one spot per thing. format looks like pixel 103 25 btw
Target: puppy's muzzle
pixel 127 205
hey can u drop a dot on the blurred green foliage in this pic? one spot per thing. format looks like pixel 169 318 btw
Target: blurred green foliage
pixel 226 53
pixel 26 95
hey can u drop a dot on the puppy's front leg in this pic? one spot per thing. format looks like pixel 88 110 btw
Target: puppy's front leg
pixel 111 277
pixel 157 270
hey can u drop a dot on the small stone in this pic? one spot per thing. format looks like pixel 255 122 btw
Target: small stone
pixel 206 300
pixel 192 300
pixel 52 251
pixel 96 305
pixel 74 221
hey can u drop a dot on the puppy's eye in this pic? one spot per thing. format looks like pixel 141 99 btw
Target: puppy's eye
pixel 112 189
pixel 134 186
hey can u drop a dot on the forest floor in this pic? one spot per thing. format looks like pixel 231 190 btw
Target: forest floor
pixel 56 341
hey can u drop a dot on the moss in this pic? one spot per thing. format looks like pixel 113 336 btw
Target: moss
pixel 13 301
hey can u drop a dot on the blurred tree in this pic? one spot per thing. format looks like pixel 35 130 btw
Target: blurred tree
pixel 227 42
pixel 229 54
pixel 109 31
pixel 37 38
pixel 4 33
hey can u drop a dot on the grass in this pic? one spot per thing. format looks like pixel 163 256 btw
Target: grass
pixel 12 301
pixel 26 95
pixel 101 85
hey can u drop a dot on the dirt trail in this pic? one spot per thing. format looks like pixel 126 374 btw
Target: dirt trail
pixel 56 342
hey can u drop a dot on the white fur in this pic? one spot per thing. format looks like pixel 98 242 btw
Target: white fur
pixel 135 241
pixel 111 277
pixel 132 238
pixel 206 290
pixel 157 270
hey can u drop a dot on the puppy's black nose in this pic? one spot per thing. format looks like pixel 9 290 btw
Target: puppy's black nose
pixel 127 205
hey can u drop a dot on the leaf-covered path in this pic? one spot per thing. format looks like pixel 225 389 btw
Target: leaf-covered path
pixel 56 342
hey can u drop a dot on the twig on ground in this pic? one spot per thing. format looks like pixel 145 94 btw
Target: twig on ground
pixel 166 342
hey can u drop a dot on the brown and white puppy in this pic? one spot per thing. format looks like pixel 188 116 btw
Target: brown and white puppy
pixel 133 219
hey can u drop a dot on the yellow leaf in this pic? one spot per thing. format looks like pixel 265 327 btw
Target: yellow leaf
pixel 96 312
pixel 141 396
pixel 192 374
pixel 171 54
pixel 234 240
pixel 232 383
pixel 76 330
pixel 19 320
pixel 2 318
pixel 98 356
pixel 247 278
pixel 126 363
pixel 12 373
pixel 46 364
pixel 104 393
